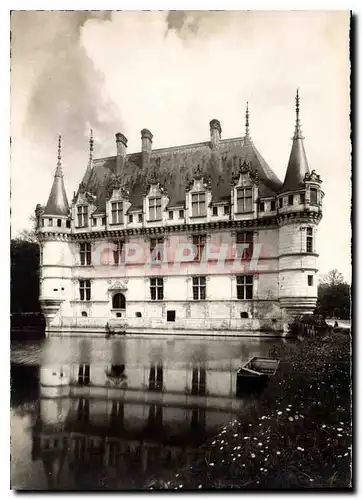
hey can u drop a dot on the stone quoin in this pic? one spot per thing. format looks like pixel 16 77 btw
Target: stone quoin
pixel 195 239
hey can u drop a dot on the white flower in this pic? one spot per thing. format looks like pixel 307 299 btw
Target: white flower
pixel 299 448
pixel 260 444
pixel 280 412
pixel 339 429
pixel 291 419
pixel 278 452
pixel 236 435
pixel 252 455
pixel 211 464
pixel 200 486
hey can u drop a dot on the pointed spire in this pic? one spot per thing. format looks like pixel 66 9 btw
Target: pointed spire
pixel 298 129
pixel 58 202
pixel 91 145
pixel 298 163
pixel 59 171
pixel 247 120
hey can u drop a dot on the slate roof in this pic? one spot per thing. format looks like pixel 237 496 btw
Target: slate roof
pixel 297 167
pixel 57 202
pixel 174 166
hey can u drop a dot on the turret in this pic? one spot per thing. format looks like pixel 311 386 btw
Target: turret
pixel 55 216
pixel 298 163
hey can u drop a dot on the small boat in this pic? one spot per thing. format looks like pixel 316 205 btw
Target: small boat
pixel 255 373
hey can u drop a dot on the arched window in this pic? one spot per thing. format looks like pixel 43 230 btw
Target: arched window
pixel 119 301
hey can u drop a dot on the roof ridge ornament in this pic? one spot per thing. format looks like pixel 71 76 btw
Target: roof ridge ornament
pixel 247 129
pixel 59 170
pixel 91 147
pixel 298 129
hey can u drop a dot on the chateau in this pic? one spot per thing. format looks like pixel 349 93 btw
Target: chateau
pixel 196 239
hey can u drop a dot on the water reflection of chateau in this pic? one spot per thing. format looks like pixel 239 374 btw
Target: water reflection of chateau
pixel 149 408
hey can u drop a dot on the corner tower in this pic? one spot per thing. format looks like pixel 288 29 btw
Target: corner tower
pixel 53 231
pixel 299 205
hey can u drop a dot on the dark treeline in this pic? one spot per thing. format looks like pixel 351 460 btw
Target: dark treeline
pixel 24 276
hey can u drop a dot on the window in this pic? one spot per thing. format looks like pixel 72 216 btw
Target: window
pixel 244 315
pixel 103 221
pixel 198 419
pixel 138 314
pixel 261 206
pixel 244 238
pixel 156 288
pixel 82 214
pixel 244 287
pixel 290 199
pixel 67 223
pixel 302 198
pixel 171 315
pixel 244 199
pixel 118 252
pixel 117 410
pixel 155 208
pixel 155 382
pixel 199 287
pixel 94 221
pixel 84 314
pixel 130 218
pixel 83 409
pixel 181 214
pixel 309 240
pixel 117 212
pixel 50 222
pixel 214 211
pixel 83 374
pixel 198 204
pixel 198 380
pixel 156 249
pixel 42 222
pixel 59 222
pixel 280 202
pixel 170 215
pixel 226 210
pixel 85 290
pixel 199 242
pixel 118 301
pixel 272 205
pixel 85 254
pixel 313 196
pixel 310 280
pixel 154 420
pixel 140 217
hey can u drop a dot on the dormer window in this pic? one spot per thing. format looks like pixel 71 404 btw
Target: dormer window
pixel 226 210
pixel 214 211
pixel 313 196
pixel 280 202
pixel 261 206
pixel 155 208
pixel 272 205
pixel 290 199
pixel 244 200
pixel 82 215
pixel 302 198
pixel 50 222
pixel 130 218
pixel 117 212
pixel 198 204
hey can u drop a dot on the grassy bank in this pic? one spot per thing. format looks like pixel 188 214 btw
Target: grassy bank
pixel 297 436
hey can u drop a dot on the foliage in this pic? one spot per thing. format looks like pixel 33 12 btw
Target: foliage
pixel 334 296
pixel 24 276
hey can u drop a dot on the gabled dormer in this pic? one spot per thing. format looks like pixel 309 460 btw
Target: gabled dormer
pixel 244 191
pixel 198 195
pixel 155 203
pixel 83 205
pixel 117 202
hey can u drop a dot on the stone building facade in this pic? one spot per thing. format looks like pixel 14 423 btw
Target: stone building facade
pixel 202 238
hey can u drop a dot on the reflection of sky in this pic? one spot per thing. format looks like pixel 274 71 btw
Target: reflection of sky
pixel 24 473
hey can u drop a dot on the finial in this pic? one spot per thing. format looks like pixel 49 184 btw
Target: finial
pixel 91 147
pixel 59 172
pixel 247 120
pixel 298 130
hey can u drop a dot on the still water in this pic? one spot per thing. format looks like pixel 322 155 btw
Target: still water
pixel 90 414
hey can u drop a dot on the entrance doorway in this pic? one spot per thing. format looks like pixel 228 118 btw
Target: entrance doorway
pixel 119 304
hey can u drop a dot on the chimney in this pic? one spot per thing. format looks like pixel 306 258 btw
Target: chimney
pixel 215 133
pixel 146 137
pixel 121 142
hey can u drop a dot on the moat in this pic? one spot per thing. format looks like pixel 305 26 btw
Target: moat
pixel 135 409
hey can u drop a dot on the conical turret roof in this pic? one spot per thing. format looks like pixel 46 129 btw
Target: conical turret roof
pixel 57 201
pixel 298 163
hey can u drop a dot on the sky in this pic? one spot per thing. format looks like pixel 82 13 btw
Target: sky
pixel 172 72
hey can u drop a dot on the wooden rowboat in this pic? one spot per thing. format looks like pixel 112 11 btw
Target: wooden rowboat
pixel 255 373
